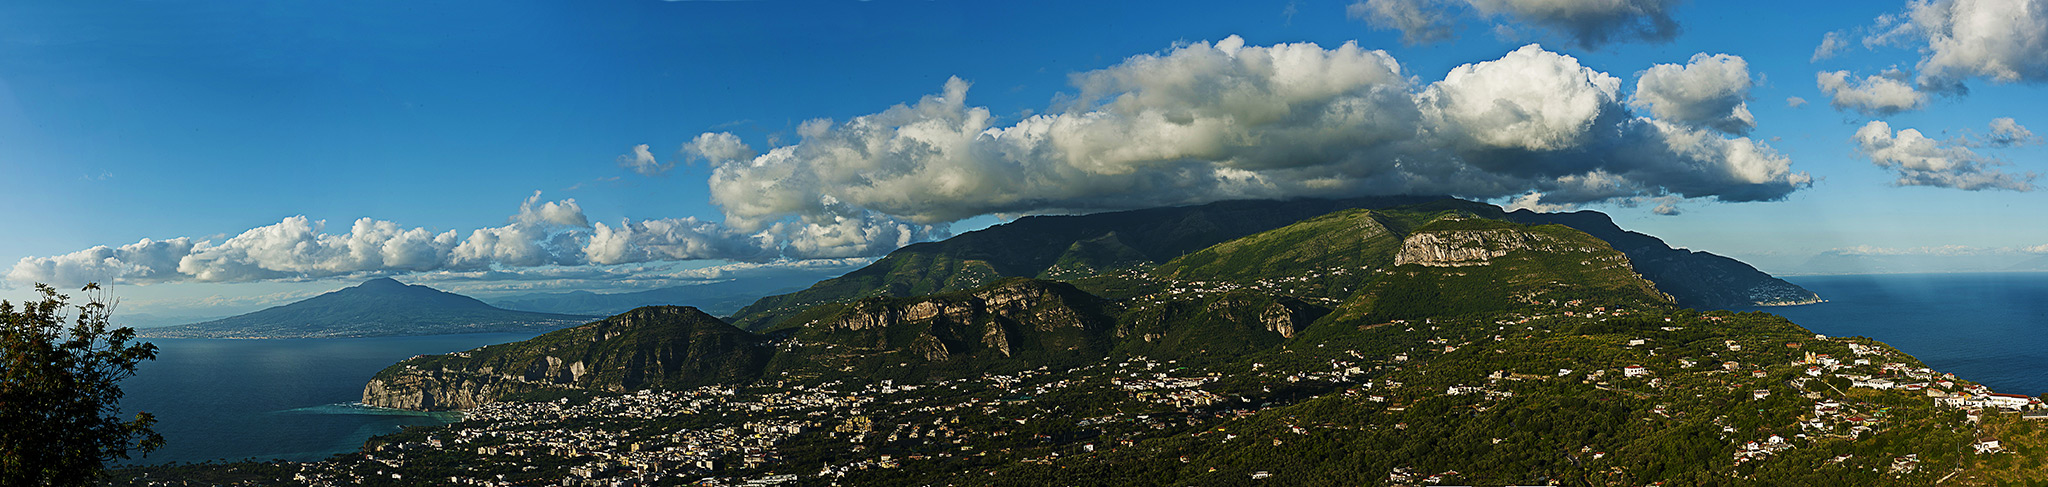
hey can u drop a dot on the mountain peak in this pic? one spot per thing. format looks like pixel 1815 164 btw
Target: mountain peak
pixel 381 283
pixel 377 307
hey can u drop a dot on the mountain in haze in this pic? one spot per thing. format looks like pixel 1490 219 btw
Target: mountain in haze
pixel 379 307
pixel 1833 262
pixel 1070 247
pixel 2037 264
pixel 1699 280
pixel 715 298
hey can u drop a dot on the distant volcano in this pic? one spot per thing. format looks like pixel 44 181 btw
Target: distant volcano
pixel 379 307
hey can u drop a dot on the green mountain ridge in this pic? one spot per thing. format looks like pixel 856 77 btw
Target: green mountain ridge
pixel 667 347
pixel 1075 247
pixel 1035 245
pixel 1215 303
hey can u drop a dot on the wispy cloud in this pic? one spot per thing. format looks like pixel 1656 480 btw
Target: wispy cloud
pixel 1922 161
pixel 1935 250
pixel 1588 23
pixel 643 161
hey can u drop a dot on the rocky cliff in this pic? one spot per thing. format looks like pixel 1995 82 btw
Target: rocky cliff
pixel 656 346
pixel 1002 320
pixel 1457 248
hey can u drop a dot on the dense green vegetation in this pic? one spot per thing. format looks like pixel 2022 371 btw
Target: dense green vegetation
pixel 61 366
pixel 1056 247
pixel 1076 248
pixel 660 347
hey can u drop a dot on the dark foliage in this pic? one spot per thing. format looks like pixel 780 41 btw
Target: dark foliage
pixel 60 391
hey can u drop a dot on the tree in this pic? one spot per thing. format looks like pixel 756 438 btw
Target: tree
pixel 60 392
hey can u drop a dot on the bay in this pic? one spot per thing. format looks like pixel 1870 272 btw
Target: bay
pixel 289 399
pixel 1991 328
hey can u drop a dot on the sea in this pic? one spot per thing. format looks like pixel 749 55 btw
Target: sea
pixel 1991 328
pixel 286 399
pixel 296 399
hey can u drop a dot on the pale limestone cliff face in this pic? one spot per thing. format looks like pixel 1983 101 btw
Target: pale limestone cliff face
pixel 1017 304
pixel 1279 319
pixel 432 390
pixel 1011 302
pixel 1459 248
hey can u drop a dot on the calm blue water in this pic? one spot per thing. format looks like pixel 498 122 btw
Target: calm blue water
pixel 1990 328
pixel 287 399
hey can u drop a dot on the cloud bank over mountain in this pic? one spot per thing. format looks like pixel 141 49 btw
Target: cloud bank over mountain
pixel 1214 121
pixel 1200 122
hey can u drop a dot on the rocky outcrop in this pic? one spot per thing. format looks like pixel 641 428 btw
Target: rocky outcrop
pixel 1281 319
pixel 1456 248
pixel 440 389
pixel 999 319
pixel 1037 303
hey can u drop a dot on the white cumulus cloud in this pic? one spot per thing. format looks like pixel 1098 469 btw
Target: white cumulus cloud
pixel 2002 40
pixel 671 239
pixel 1921 161
pixel 1225 120
pixel 1530 99
pixel 143 261
pixel 1871 96
pixel 718 148
pixel 1710 91
pixel 550 240
pixel 536 236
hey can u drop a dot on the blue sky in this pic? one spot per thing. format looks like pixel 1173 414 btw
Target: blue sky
pixel 123 121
